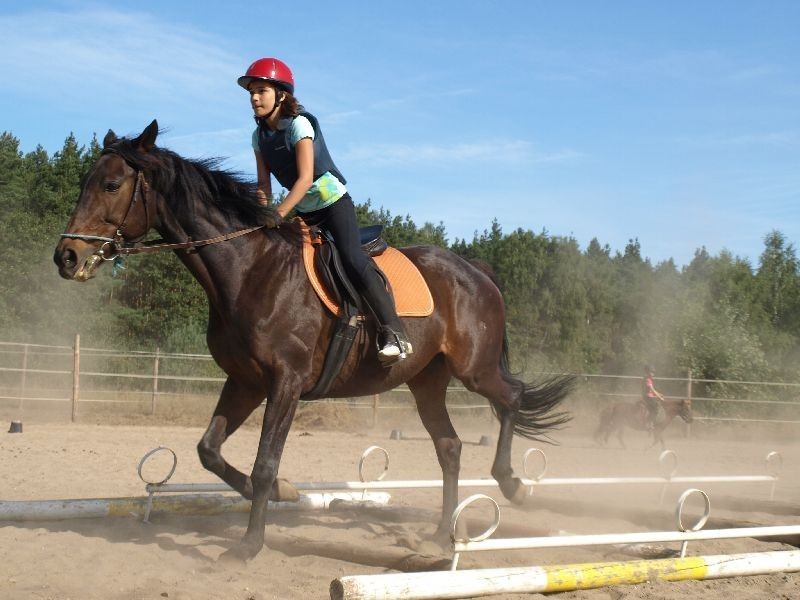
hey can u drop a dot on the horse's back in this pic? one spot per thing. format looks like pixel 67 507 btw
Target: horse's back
pixel 457 283
pixel 626 413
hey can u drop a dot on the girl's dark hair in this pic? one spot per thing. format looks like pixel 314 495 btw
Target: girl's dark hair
pixel 290 107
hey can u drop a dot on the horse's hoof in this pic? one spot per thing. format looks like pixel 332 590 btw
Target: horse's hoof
pixel 434 547
pixel 522 495
pixel 513 490
pixel 283 491
pixel 439 542
pixel 238 555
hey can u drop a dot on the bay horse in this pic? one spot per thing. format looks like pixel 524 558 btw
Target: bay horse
pixel 269 332
pixel 636 416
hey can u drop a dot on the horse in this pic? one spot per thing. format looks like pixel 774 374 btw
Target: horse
pixel 636 416
pixel 269 332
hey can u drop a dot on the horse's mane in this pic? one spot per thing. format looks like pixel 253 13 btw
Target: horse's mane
pixel 201 181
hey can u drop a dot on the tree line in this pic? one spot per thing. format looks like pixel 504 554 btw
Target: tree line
pixel 588 310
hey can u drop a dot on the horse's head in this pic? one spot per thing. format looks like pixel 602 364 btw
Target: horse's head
pixel 113 208
pixel 685 411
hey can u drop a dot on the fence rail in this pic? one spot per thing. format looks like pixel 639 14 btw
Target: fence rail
pixel 37 373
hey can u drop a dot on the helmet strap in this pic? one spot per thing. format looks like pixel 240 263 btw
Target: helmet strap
pixel 277 104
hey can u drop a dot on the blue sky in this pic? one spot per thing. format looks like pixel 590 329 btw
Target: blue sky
pixel 677 123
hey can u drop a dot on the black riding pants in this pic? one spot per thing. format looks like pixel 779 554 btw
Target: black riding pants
pixel 339 220
pixel 652 407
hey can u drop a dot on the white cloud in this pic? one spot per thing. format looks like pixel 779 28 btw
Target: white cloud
pixel 509 151
pixel 784 139
pixel 342 117
pixel 109 52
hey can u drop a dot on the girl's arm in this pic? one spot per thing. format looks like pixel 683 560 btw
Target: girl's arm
pixel 304 153
pixel 264 185
pixel 652 387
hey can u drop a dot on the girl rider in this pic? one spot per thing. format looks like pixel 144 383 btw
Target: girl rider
pixel 651 397
pixel 288 144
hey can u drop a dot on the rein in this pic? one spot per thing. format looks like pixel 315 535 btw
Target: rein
pixel 158 245
pixel 118 246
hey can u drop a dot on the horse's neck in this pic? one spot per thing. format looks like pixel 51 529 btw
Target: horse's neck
pixel 221 268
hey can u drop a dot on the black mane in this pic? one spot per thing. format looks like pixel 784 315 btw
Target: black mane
pixel 201 181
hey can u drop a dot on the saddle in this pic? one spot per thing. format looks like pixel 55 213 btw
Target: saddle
pixel 327 276
pixel 660 416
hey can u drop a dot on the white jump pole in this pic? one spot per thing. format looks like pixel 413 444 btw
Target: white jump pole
pixel 437 483
pixel 684 534
pixel 191 504
pixel 193 501
pixel 530 480
pixel 558 578
pixel 317 496
pixel 605 539
pixel 92 508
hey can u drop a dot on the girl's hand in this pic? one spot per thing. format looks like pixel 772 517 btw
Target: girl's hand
pixel 270 220
pixel 263 199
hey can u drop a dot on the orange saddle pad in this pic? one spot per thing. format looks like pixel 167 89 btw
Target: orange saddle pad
pixel 411 294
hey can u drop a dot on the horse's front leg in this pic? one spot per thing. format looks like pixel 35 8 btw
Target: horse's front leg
pixel 236 403
pixel 430 392
pixel 658 437
pixel 281 405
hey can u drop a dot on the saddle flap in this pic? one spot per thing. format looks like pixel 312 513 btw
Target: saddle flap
pixel 328 264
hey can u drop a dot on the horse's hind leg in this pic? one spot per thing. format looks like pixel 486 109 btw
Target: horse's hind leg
pixel 493 386
pixel 429 389
pixel 501 467
pixel 235 404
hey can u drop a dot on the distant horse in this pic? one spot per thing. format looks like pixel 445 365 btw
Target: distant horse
pixel 269 331
pixel 636 416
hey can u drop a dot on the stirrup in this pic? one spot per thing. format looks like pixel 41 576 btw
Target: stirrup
pixel 395 348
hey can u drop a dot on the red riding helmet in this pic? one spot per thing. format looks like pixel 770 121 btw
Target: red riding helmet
pixel 272 70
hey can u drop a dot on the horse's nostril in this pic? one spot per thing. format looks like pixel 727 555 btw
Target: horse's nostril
pixel 69 258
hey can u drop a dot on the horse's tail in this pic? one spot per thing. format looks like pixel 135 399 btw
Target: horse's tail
pixel 537 414
pixel 537 401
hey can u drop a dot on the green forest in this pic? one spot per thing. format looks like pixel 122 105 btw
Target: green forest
pixel 585 310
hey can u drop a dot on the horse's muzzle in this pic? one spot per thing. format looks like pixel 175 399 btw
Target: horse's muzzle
pixel 76 260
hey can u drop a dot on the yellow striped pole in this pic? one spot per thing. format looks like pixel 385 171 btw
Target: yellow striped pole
pixel 558 578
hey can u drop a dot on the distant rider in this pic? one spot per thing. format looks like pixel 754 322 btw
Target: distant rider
pixel 650 396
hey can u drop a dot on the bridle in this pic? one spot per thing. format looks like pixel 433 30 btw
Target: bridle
pixel 114 248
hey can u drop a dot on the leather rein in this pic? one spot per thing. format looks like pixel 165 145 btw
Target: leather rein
pixel 118 246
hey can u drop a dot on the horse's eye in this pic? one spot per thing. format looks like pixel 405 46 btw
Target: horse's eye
pixel 112 186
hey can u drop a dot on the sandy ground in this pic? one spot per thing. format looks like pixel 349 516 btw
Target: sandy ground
pixel 175 556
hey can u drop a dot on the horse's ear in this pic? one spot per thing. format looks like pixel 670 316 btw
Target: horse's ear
pixel 147 139
pixel 110 138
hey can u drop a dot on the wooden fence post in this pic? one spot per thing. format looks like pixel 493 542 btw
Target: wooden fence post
pixel 688 429
pixel 23 381
pixel 76 375
pixel 155 383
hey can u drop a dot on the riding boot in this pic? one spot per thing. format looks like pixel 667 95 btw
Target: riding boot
pixel 393 344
